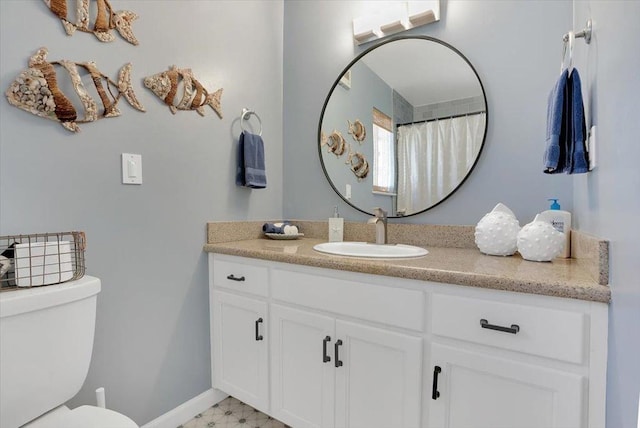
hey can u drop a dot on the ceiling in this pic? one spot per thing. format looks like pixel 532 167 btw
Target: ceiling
pixel 423 71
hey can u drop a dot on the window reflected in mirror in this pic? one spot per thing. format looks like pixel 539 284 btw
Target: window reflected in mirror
pixel 384 164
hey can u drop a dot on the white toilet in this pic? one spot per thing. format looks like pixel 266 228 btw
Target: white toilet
pixel 46 339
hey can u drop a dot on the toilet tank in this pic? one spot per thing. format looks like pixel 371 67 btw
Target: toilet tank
pixel 46 339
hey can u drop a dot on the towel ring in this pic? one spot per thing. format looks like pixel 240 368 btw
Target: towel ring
pixel 567 50
pixel 246 113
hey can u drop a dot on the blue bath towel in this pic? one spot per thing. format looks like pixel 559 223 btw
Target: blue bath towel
pixel 251 167
pixel 557 113
pixel 577 158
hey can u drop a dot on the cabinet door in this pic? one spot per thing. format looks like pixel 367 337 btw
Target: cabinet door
pixel 475 390
pixel 302 367
pixel 239 348
pixel 378 384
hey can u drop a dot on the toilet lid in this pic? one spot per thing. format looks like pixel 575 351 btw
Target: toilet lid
pixel 96 417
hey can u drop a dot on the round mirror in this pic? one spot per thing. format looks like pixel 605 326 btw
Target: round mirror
pixel 402 126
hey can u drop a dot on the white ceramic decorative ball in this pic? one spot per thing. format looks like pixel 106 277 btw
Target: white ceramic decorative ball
pixel 496 233
pixel 539 241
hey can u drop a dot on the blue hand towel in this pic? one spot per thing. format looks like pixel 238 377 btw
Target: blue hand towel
pixel 554 154
pixel 240 166
pixel 251 167
pixel 578 159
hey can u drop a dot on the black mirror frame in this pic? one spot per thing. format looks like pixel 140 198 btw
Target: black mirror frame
pixel 348 67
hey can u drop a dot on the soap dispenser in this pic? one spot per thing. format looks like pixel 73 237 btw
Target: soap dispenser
pixel 561 221
pixel 336 226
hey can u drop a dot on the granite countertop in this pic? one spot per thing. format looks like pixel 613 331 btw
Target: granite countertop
pixel 464 266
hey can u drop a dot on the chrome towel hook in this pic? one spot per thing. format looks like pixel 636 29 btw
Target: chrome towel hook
pixel 246 114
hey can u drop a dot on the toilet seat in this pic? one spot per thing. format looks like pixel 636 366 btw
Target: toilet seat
pixel 97 417
pixel 83 417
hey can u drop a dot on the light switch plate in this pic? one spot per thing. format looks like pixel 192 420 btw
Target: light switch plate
pixel 131 168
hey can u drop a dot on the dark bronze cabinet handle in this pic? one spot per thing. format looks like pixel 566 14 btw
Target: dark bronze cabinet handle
pixel 325 357
pixel 258 336
pixel 434 389
pixel 235 278
pixel 515 328
pixel 335 351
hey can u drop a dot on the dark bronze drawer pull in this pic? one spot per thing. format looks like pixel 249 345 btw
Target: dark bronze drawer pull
pixel 338 363
pixel 325 357
pixel 258 335
pixel 434 387
pixel 513 329
pixel 235 278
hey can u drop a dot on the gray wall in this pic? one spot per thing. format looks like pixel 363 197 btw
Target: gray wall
pixel 502 39
pixel 145 242
pixel 606 201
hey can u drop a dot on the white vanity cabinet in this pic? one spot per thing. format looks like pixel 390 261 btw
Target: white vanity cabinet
pixel 348 350
pixel 329 372
pixel 496 362
pixel 345 352
pixel 240 339
pixel 476 389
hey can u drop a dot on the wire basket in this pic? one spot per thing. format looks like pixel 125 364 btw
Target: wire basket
pixel 41 259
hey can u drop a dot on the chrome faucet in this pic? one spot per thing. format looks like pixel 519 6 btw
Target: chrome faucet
pixel 380 220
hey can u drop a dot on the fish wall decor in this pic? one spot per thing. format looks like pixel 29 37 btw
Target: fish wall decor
pixel 165 85
pixel 105 19
pixel 357 130
pixel 335 143
pixel 36 90
pixel 358 164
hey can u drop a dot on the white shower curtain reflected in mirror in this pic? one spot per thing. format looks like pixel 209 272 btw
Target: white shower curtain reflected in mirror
pixel 434 157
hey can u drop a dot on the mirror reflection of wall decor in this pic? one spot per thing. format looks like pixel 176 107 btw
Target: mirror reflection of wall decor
pixel 358 164
pixel 357 130
pixel 425 107
pixel 335 143
pixel 105 19
pixel 194 96
pixel 38 91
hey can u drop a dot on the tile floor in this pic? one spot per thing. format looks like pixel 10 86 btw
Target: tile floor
pixel 232 413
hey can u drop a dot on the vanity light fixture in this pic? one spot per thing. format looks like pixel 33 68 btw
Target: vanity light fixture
pixel 367 28
pixel 398 17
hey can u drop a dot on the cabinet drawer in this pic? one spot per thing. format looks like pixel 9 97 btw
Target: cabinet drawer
pixel 241 277
pixel 540 331
pixel 387 305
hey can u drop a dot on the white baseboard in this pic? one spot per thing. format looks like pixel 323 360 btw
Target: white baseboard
pixel 186 411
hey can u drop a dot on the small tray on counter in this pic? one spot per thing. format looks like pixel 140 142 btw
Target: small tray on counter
pixel 282 236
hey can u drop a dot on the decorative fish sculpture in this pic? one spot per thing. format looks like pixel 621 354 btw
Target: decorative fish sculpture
pixel 357 130
pixel 165 86
pixel 36 90
pixel 335 143
pixel 105 19
pixel 358 164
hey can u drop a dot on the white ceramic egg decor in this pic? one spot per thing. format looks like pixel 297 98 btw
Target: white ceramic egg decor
pixel 496 233
pixel 539 241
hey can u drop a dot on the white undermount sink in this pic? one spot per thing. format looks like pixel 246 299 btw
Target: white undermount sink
pixel 366 249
